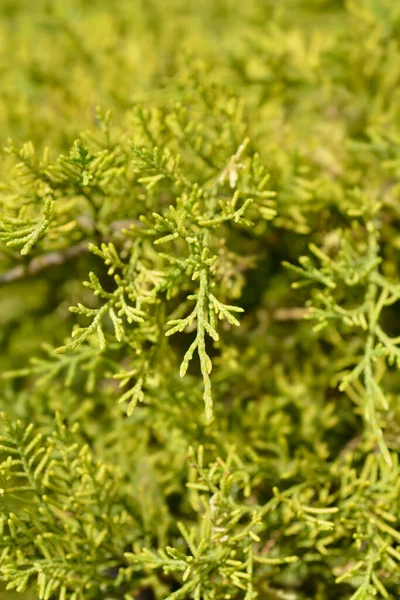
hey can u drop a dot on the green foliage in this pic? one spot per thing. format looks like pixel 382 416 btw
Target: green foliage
pixel 199 287
pixel 72 521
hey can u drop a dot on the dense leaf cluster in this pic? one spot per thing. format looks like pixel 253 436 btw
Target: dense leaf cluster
pixel 199 288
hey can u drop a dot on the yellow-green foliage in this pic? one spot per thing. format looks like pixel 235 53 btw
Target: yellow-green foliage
pixel 199 290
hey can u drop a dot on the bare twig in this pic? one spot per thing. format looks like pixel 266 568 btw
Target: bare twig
pixel 44 261
pixel 50 259
pixel 293 313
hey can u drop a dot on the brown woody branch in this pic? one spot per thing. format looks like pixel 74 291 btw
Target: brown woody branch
pixel 50 259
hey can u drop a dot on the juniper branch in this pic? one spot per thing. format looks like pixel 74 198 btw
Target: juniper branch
pixel 60 257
